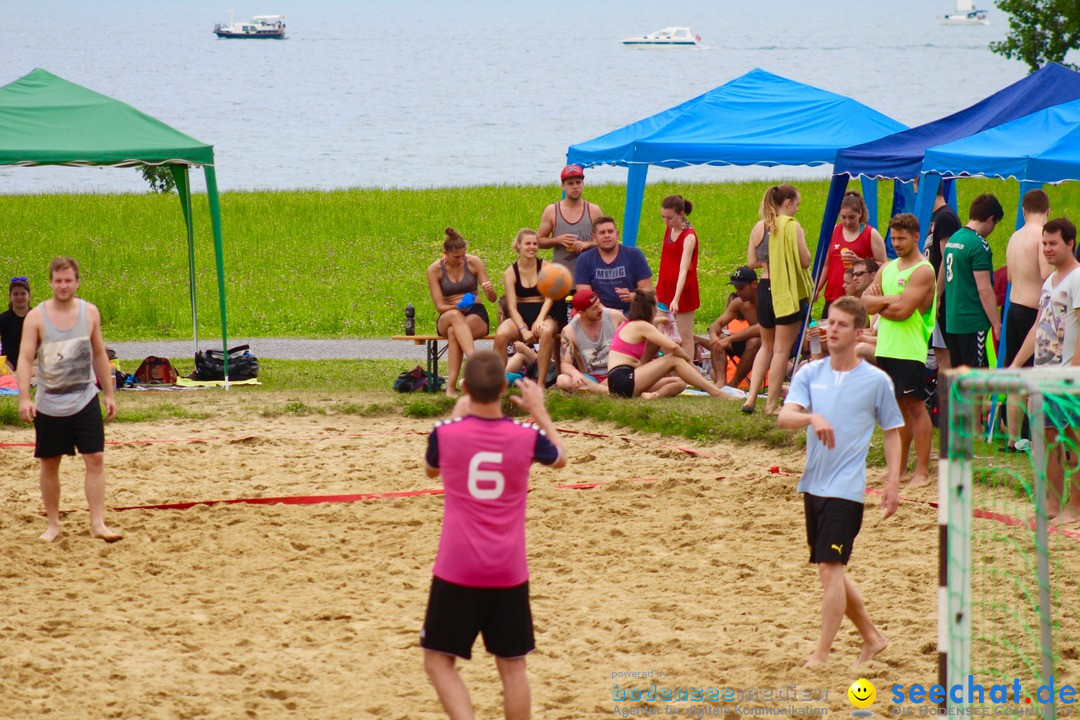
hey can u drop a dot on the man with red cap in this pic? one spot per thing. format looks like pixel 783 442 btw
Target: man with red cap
pixel 566 225
pixel 585 344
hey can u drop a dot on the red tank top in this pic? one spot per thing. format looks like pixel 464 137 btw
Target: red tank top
pixel 668 277
pixel 834 279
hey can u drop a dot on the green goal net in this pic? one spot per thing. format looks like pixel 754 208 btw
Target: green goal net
pixel 1009 601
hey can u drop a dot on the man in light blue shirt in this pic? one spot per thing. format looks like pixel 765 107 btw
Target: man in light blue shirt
pixel 839 399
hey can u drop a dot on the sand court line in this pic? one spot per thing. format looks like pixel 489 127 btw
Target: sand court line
pixel 320 499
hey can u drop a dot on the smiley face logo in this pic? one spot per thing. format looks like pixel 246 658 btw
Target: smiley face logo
pixel 862 693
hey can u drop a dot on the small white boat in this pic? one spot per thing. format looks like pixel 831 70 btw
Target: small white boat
pixel 966 14
pixel 672 36
pixel 270 27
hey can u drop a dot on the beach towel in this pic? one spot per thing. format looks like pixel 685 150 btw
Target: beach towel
pixel 789 279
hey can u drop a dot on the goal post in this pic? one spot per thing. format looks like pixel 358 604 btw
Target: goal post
pixel 1008 606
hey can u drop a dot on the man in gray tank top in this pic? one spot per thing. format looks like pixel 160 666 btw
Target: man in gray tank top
pixel 64 335
pixel 585 345
pixel 566 225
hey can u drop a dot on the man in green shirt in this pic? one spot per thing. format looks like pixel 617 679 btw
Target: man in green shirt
pixel 969 288
pixel 905 298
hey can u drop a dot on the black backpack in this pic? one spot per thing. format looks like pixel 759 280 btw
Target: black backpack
pixel 415 380
pixel 210 364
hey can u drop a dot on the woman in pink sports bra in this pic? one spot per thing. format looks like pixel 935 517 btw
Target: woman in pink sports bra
pixel 630 374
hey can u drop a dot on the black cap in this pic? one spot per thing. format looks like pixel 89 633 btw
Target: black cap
pixel 743 276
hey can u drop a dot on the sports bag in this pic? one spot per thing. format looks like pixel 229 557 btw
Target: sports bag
pixel 411 380
pixel 156 371
pixel 210 364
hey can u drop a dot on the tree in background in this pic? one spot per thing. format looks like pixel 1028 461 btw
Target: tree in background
pixel 1040 31
pixel 160 177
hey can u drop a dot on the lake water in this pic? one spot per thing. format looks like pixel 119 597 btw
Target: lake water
pixel 419 93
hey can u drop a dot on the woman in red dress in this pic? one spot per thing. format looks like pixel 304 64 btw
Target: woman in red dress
pixel 677 282
pixel 853 239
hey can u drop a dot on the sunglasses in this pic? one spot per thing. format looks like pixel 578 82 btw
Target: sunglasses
pixel 20 279
pixel 859 274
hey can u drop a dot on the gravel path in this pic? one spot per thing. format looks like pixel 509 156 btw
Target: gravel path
pixel 287 348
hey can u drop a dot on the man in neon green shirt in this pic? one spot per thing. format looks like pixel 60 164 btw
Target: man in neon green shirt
pixel 905 298
pixel 970 303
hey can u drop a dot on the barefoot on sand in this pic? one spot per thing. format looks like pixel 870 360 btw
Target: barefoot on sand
pixel 50 534
pixel 815 660
pixel 869 650
pixel 1067 517
pixel 918 480
pixel 104 533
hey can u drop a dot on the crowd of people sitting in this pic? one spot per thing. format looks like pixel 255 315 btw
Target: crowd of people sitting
pixel 928 310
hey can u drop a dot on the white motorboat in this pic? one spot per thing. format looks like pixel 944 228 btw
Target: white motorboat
pixel 966 14
pixel 270 27
pixel 672 36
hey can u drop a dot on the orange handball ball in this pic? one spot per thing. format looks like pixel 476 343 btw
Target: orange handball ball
pixel 555 281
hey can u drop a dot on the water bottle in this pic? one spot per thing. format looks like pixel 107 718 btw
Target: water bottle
pixel 815 340
pixel 410 319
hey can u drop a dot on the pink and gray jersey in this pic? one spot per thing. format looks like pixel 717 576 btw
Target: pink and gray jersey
pixel 485 472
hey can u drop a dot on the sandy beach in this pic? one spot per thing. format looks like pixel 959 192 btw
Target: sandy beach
pixel 689 566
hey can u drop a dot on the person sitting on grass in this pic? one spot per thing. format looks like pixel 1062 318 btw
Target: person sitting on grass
pixel 742 344
pixel 454 280
pixel 531 317
pixel 11 322
pixel 480 582
pixel 586 342
pixel 633 372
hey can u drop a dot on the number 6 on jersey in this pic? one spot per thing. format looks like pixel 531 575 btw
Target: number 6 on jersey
pixel 476 476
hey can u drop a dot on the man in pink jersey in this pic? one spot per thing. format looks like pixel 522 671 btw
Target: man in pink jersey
pixel 481 577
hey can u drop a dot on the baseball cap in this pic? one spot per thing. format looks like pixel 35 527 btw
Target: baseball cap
pixel 583 300
pixel 743 276
pixel 571 171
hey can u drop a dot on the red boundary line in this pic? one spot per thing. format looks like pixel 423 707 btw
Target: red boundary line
pixel 318 499
pixel 241 438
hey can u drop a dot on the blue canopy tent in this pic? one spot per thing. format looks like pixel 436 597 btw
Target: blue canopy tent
pixel 756 119
pixel 900 156
pixel 1043 147
pixel 1040 148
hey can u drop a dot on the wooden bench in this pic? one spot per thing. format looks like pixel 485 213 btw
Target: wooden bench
pixel 433 353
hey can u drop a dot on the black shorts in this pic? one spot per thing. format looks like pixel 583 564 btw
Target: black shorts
pixel 737 348
pixel 766 316
pixel 620 381
pixel 456 614
pixel 967 349
pixel 908 376
pixel 1017 324
pixel 831 527
pixel 55 436
pixel 531 311
pixel 480 311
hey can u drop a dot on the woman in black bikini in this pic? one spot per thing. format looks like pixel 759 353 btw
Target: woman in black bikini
pixel 452 279
pixel 531 317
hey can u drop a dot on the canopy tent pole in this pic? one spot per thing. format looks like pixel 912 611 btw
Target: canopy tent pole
pixel 219 257
pixel 182 178
pixel 924 203
pixel 635 194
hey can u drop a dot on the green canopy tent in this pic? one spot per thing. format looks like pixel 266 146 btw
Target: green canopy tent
pixel 46 120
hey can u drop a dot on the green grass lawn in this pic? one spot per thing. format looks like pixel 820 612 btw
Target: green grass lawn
pixel 345 263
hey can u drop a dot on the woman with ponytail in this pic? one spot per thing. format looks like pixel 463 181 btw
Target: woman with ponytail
pixel 677 282
pixel 778 247
pixel 631 375
pixel 852 239
pixel 454 281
